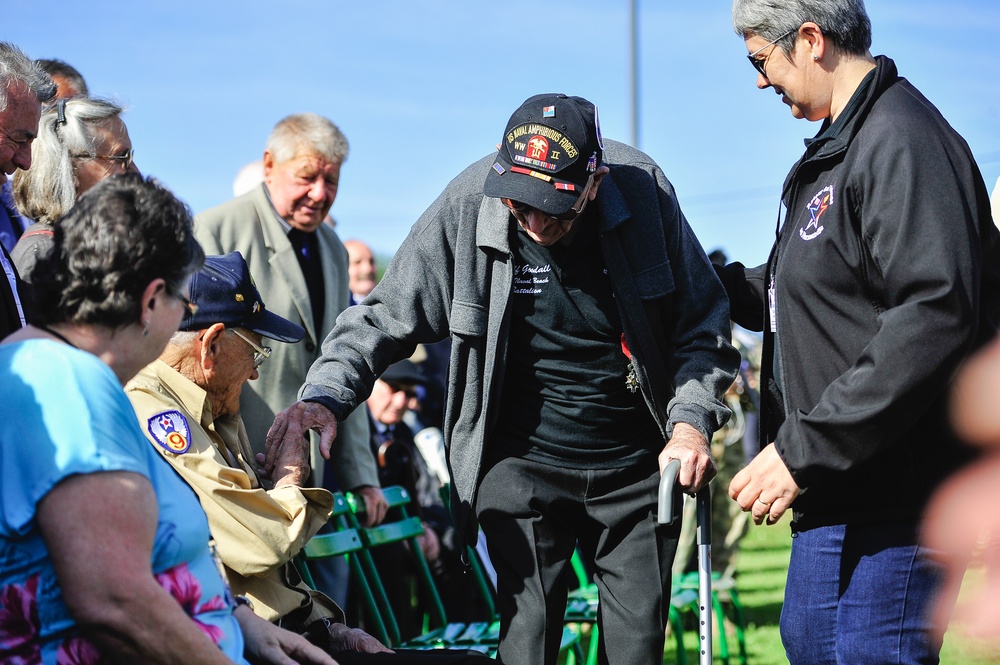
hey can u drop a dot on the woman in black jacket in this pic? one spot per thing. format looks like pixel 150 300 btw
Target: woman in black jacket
pixel 877 287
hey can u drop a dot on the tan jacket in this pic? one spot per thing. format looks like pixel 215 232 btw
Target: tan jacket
pixel 256 531
pixel 249 225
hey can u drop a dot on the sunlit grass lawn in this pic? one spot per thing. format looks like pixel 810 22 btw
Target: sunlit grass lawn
pixel 761 583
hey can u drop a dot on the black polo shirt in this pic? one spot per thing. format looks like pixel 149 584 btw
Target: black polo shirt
pixel 564 399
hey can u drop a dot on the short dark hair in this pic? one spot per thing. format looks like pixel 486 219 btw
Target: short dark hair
pixel 122 234
pixel 54 67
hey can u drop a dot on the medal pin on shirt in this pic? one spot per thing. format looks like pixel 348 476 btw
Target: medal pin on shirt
pixel 631 378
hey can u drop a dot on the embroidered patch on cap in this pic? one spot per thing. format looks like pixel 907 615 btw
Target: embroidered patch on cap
pixel 541 147
pixel 533 174
pixel 170 429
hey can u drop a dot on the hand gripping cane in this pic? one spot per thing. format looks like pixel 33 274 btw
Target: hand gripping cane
pixel 668 511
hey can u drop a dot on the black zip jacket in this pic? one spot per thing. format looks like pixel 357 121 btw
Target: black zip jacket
pixel 885 276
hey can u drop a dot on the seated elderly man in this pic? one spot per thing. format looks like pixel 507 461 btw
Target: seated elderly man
pixel 187 403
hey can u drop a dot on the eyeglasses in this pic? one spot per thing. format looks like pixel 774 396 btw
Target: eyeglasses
pixel 261 353
pixel 410 392
pixel 125 159
pixel 188 305
pixel 760 64
pixel 521 210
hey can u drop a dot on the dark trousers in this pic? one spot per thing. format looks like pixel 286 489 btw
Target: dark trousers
pixel 534 515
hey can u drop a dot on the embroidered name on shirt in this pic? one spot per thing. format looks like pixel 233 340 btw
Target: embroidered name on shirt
pixel 817 206
pixel 528 279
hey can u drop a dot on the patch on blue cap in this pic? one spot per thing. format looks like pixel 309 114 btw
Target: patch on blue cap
pixel 170 429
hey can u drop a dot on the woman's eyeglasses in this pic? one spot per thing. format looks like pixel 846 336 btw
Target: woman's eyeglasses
pixel 761 63
pixel 125 159
pixel 188 305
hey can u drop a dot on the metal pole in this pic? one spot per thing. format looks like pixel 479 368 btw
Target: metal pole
pixel 634 29
pixel 704 541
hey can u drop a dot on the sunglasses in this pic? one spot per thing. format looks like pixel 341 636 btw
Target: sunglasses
pixel 760 64
pixel 521 210
pixel 409 391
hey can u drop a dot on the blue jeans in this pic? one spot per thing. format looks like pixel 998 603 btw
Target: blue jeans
pixel 859 594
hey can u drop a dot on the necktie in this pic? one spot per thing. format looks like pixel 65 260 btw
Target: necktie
pixel 388 438
pixel 307 252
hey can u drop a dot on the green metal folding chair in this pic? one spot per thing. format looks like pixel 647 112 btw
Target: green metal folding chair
pixel 438 632
pixel 344 541
pixel 730 608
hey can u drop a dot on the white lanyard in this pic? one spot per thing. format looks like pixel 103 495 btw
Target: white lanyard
pixel 8 270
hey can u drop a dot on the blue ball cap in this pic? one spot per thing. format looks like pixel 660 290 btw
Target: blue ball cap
pixel 225 293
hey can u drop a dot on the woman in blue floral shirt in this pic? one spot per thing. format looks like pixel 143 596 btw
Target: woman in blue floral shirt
pixel 104 550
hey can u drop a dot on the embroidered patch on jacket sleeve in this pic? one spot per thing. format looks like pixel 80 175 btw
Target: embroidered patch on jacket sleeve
pixel 170 429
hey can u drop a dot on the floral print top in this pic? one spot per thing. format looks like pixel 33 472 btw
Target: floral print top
pixel 62 413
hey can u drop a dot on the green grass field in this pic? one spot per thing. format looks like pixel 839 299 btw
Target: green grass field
pixel 761 583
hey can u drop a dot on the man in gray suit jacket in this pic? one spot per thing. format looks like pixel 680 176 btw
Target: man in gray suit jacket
pixel 300 267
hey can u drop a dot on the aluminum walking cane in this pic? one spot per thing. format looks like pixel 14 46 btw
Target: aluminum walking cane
pixel 668 511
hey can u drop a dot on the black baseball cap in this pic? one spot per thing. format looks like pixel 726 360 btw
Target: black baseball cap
pixel 404 372
pixel 225 293
pixel 551 147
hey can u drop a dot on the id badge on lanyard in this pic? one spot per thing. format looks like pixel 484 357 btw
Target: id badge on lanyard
pixel 771 314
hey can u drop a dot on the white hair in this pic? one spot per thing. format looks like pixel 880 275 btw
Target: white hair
pixel 47 190
pixel 307 133
pixel 16 66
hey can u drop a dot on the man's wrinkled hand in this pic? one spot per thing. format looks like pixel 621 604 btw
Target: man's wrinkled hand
pixel 292 465
pixel 429 543
pixel 344 638
pixel 376 505
pixel 688 446
pixel 267 644
pixel 292 425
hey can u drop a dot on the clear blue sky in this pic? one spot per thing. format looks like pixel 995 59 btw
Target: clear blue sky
pixel 421 88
